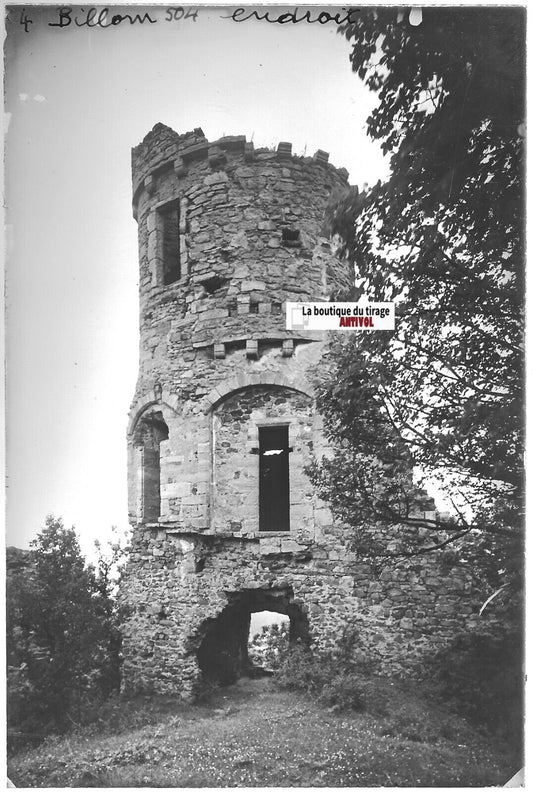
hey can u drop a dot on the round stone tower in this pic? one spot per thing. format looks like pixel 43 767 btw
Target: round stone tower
pixel 222 426
pixel 226 236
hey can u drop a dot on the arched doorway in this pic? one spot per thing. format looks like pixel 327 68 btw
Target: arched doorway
pixel 223 651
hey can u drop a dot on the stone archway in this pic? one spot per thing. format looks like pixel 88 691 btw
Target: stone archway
pixel 223 651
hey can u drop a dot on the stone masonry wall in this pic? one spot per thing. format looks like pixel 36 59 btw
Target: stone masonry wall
pixel 236 474
pixel 217 363
pixel 177 583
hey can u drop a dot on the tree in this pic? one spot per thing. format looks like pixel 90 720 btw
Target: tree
pixel 267 647
pixel 443 238
pixel 109 566
pixel 61 632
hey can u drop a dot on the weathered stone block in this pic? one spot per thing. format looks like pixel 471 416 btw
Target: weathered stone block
pixel 219 177
pixel 253 286
pixel 288 348
pixel 252 349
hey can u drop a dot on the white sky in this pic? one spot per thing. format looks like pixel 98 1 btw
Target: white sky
pixel 77 100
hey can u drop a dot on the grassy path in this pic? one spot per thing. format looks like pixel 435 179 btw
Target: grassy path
pixel 253 735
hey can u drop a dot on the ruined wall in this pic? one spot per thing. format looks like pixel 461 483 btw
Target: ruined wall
pixel 178 584
pixel 228 234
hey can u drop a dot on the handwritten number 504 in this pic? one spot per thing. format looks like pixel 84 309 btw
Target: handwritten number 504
pixel 175 13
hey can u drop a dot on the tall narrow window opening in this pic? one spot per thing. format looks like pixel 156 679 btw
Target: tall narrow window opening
pixel 151 431
pixel 274 479
pixel 170 229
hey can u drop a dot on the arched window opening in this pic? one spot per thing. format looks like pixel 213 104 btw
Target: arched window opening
pixel 151 430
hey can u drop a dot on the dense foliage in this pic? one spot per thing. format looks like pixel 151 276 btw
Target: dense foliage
pixel 63 642
pixel 333 677
pixel 444 240
pixel 480 675
pixel 265 649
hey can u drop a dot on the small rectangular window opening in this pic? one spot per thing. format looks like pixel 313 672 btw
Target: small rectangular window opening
pixel 170 222
pixel 274 479
pixel 276 308
pixel 212 284
pixel 254 308
pixel 290 238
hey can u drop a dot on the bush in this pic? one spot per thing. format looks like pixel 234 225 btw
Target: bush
pixel 329 676
pixel 344 692
pixel 301 670
pixel 63 642
pixel 481 676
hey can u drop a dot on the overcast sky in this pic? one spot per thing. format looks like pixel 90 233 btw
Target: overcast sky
pixel 78 99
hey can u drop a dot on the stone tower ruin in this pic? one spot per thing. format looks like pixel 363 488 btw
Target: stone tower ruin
pixel 222 426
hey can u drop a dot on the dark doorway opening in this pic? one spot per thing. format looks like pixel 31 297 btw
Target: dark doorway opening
pixel 223 651
pixel 274 478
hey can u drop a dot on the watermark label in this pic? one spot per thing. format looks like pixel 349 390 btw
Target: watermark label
pixel 340 316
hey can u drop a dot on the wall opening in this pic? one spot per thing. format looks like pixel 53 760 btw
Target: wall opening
pixel 151 430
pixel 223 653
pixel 268 639
pixel 290 238
pixel 274 478
pixel 170 247
pixel 213 284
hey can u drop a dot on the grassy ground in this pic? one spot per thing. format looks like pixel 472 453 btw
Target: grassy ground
pixel 255 735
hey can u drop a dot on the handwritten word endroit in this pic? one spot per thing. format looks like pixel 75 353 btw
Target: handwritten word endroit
pixel 293 17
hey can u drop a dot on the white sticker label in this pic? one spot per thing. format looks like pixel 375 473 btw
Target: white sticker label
pixel 340 316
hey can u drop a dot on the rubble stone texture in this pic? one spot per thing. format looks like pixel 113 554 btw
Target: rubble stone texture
pixel 227 235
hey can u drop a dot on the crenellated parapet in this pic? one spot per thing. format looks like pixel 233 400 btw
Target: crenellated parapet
pixel 227 235
pixel 163 150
